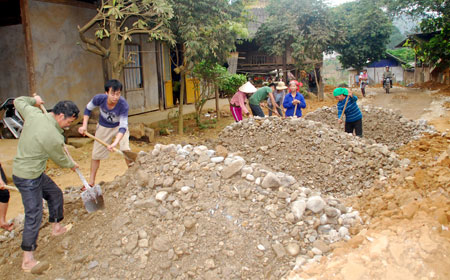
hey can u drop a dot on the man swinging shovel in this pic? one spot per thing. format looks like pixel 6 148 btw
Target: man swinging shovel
pixel 40 140
pixel 353 116
pixel 92 196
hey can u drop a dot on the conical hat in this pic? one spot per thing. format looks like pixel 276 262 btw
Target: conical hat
pixel 281 86
pixel 247 88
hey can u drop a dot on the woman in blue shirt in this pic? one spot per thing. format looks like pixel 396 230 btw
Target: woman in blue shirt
pixel 294 101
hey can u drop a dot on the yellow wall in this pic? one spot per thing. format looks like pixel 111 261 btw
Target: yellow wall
pixel 167 75
pixel 190 90
pixel 169 93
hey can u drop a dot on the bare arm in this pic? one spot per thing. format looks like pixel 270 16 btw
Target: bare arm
pixel 119 137
pixel 84 127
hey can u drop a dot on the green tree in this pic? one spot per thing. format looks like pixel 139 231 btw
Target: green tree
pixel 435 15
pixel 207 76
pixel 230 83
pixel 365 29
pixel 301 27
pixel 118 21
pixel 205 30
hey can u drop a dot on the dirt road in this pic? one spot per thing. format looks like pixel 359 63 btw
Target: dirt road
pixel 413 103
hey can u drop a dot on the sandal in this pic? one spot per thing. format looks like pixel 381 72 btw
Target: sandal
pixel 38 268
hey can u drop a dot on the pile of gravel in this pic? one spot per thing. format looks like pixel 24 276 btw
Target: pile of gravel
pixel 318 156
pixel 192 213
pixel 385 126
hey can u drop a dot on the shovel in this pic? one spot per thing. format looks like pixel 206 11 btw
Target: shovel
pixel 92 197
pixel 127 154
pixel 282 111
pixel 345 106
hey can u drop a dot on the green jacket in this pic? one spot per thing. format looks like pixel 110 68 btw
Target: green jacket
pixel 260 95
pixel 41 139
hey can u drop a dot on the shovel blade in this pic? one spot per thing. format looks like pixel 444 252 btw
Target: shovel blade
pixel 130 155
pixel 93 199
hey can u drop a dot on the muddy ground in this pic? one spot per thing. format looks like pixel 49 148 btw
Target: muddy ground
pixel 404 234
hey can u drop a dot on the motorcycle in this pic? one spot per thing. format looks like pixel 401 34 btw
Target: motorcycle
pixel 11 123
pixel 387 84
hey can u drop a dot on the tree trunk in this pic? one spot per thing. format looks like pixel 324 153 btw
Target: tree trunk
pixel 285 78
pixel 217 101
pixel 114 57
pixel 321 87
pixel 180 106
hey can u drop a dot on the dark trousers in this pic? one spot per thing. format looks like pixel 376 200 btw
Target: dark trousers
pixel 354 126
pixel 33 191
pixel 4 194
pixel 257 111
pixel 278 109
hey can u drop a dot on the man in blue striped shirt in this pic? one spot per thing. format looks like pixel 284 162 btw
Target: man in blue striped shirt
pixel 353 116
pixel 112 125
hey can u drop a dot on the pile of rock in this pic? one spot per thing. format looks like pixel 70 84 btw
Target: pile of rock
pixel 187 212
pixel 318 156
pixel 385 126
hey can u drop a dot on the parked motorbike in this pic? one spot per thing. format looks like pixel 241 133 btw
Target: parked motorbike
pixel 387 84
pixel 11 123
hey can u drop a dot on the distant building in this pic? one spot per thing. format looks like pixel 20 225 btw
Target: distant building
pixel 375 69
pixel 438 72
pixel 248 59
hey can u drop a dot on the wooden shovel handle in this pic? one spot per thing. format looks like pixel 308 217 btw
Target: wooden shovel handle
pixel 345 106
pixel 99 140
pixel 41 106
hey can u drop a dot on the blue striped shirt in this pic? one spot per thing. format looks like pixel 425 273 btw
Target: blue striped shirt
pixel 117 116
pixel 352 112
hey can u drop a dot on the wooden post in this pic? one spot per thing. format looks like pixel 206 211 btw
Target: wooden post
pixel 28 45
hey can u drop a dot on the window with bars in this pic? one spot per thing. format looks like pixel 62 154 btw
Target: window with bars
pixel 133 70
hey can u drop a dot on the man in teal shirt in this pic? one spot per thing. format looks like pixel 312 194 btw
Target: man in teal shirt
pixel 41 139
pixel 259 96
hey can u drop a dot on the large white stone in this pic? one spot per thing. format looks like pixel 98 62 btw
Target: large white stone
pixel 315 204
pixel 161 196
pixel 217 159
pixel 271 181
pixel 233 168
pixel 298 208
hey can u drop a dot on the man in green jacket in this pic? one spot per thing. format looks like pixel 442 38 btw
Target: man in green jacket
pixel 260 96
pixel 41 139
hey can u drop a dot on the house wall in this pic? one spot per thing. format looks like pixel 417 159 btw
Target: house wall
pixel 63 69
pixel 422 74
pixel 147 98
pixel 13 68
pixel 408 77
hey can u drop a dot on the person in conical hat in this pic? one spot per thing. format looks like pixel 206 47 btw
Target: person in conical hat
pixel 237 102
